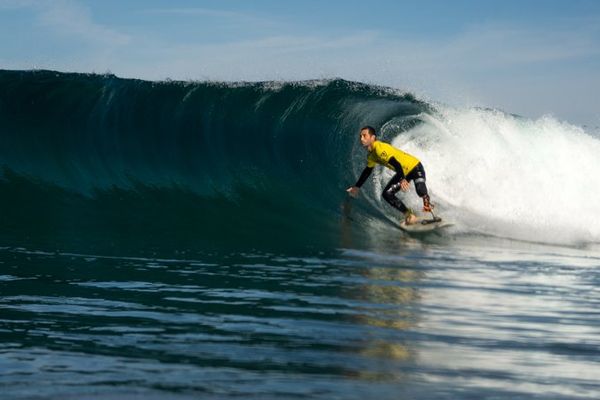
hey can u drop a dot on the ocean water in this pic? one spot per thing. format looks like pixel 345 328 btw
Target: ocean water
pixel 185 240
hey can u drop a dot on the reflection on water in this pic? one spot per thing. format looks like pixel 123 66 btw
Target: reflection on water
pixel 419 321
pixel 390 292
pixel 391 289
pixel 248 312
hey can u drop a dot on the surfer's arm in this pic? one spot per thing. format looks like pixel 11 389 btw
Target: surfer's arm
pixel 399 174
pixel 353 190
pixel 363 176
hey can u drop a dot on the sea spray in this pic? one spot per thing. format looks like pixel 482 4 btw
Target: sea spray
pixel 506 175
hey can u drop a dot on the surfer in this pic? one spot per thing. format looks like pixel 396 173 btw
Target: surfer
pixel 407 167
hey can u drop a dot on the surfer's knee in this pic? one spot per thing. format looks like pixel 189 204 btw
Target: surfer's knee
pixel 421 187
pixel 389 193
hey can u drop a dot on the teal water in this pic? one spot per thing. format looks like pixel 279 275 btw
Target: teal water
pixel 185 240
pixel 449 320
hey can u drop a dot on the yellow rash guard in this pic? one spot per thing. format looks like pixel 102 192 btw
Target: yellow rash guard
pixel 382 152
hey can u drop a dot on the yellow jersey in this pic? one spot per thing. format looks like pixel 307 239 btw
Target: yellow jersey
pixel 382 152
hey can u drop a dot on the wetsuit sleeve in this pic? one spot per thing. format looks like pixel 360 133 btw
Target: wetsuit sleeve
pixel 363 177
pixel 398 168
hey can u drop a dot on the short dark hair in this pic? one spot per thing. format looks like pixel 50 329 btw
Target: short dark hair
pixel 369 129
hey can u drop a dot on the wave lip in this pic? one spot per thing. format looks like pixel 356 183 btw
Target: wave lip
pixel 244 162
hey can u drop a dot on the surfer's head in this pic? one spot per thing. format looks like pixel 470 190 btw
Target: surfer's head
pixel 367 136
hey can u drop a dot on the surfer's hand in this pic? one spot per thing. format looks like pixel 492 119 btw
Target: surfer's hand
pixel 404 185
pixel 353 191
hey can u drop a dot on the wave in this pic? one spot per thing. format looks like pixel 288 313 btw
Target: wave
pixel 189 162
pixel 500 174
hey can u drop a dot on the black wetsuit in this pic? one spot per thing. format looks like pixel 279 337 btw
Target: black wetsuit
pixel 417 174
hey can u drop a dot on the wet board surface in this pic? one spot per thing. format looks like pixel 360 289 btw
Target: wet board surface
pixel 425 225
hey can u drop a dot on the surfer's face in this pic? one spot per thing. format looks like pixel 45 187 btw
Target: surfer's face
pixel 366 139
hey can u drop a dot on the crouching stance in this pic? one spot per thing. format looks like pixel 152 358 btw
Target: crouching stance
pixel 407 168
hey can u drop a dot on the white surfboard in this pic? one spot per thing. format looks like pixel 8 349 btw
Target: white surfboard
pixel 425 225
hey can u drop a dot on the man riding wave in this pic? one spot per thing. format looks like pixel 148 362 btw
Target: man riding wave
pixel 407 167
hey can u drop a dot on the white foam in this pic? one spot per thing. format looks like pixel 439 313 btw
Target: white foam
pixel 503 175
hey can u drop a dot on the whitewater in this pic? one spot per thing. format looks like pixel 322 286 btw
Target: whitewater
pixel 509 176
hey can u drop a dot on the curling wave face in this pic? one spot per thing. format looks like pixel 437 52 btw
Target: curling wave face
pixel 194 161
pixel 99 159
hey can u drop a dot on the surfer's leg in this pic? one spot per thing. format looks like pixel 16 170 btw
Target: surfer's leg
pixel 389 194
pixel 417 175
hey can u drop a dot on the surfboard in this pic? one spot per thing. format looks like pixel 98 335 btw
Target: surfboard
pixel 425 225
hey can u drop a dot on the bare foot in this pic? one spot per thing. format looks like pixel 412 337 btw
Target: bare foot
pixel 411 219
